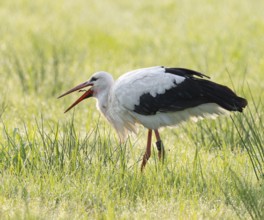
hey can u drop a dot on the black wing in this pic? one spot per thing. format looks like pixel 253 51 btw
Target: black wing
pixel 190 93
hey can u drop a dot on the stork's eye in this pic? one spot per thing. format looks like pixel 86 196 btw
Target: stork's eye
pixel 93 79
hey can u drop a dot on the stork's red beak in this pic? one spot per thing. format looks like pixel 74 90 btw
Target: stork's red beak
pixel 87 94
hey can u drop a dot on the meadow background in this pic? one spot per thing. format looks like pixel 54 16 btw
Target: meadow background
pixel 71 166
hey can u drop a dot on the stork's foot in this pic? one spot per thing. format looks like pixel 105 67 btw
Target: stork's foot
pixel 145 160
pixel 148 151
pixel 161 150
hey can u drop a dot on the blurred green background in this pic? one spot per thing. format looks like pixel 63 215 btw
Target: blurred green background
pixel 47 47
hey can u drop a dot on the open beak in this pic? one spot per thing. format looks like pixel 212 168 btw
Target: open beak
pixel 87 94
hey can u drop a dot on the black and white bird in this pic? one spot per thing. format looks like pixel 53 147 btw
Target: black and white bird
pixel 157 97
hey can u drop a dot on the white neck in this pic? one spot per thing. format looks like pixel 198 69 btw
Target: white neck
pixel 102 101
pixel 102 85
pixel 102 97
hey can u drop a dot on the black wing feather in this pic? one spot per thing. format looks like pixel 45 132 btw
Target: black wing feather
pixel 184 72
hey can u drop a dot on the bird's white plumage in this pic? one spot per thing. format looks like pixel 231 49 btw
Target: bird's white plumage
pixel 126 92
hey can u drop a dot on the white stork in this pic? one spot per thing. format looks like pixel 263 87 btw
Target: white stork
pixel 157 97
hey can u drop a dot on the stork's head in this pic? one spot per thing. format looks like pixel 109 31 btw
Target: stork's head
pixel 99 82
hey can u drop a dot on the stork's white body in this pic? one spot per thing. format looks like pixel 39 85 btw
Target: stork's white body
pixel 117 102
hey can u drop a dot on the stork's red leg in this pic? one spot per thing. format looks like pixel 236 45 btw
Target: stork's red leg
pixel 160 146
pixel 148 150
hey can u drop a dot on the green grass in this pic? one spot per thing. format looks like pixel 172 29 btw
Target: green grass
pixel 71 166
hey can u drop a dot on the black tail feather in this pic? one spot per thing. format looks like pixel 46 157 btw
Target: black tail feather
pixel 223 96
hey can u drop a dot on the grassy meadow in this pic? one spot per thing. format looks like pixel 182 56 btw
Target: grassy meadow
pixel 71 166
